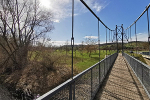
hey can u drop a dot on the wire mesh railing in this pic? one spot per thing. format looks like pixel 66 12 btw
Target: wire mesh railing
pixel 83 86
pixel 141 70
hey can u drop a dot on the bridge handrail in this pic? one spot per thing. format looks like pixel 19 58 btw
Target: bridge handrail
pixel 141 70
pixel 92 76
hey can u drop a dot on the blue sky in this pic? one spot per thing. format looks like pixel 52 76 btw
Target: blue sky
pixel 111 12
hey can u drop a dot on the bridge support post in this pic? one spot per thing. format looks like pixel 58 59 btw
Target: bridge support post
pixel 122 38
pixel 148 31
pixel 116 39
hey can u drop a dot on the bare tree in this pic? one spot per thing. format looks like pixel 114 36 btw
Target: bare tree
pixel 21 21
pixel 90 45
pixel 66 47
pixel 81 49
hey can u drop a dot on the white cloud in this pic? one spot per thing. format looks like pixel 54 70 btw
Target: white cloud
pixel 58 43
pixel 97 5
pixel 91 37
pixel 63 8
pixel 61 43
pixel 140 37
pixel 57 21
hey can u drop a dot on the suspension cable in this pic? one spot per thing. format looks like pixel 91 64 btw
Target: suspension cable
pixel 130 39
pixel 140 15
pixel 93 13
pixel 148 31
pixel 136 38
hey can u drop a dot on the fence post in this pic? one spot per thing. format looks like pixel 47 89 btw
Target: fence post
pixel 99 53
pixel 104 67
pixel 74 91
pixel 142 75
pixel 91 83
pixel 70 92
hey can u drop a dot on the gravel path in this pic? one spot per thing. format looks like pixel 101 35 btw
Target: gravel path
pixel 121 84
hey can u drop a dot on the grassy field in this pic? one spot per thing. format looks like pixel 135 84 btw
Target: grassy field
pixel 84 62
pixel 137 56
pixel 81 61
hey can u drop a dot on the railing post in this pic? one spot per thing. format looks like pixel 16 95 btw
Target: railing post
pixel 74 91
pixel 142 74
pixel 104 68
pixel 91 83
pixel 70 92
pixel 99 53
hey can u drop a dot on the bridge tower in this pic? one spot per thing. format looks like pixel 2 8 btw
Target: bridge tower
pixel 120 36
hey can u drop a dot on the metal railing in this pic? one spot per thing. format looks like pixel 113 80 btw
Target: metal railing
pixel 145 53
pixel 141 70
pixel 83 86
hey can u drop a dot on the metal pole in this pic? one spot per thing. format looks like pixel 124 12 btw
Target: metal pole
pixel 109 41
pixel 122 38
pixel 99 53
pixel 116 39
pixel 72 45
pixel 111 36
pixel 130 39
pixel 91 83
pixel 72 38
pixel 128 34
pixel 106 42
pixel 148 31
pixel 70 92
pixel 136 38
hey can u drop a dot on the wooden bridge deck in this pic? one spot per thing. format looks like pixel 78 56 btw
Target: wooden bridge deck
pixel 121 84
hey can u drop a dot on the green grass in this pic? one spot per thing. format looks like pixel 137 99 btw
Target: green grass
pixel 81 61
pixel 89 61
pixel 137 56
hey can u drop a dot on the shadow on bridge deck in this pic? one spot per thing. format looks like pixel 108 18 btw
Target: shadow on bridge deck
pixel 121 84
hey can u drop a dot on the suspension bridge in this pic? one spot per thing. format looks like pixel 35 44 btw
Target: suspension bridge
pixel 119 76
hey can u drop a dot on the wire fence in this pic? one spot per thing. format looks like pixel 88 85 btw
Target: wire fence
pixel 83 86
pixel 141 70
